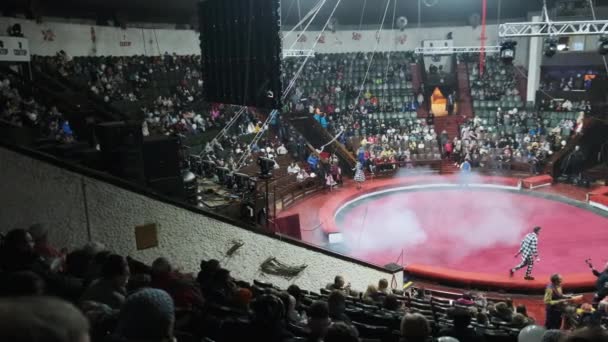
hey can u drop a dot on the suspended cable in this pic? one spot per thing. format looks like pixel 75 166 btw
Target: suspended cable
pixel 362 12
pixel 288 89
pixel 371 60
pixel 388 64
pixel 229 125
pixel 332 140
pixel 419 17
pixel 289 9
pixel 299 12
pixel 499 13
pixel 297 75
pixel 255 140
pixel 308 24
pixel 594 18
pixel 312 11
pixel 545 12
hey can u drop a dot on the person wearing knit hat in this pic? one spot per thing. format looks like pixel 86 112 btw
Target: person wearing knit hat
pixel 147 315
pixel 553 335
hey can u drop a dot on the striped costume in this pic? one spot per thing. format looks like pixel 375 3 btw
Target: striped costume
pixel 529 252
pixel 359 173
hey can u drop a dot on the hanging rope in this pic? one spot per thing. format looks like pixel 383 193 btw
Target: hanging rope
pixel 371 60
pixel 297 75
pixel 332 140
pixel 255 140
pixel 362 11
pixel 315 9
pixel 595 18
pixel 299 11
pixel 289 9
pixel 482 53
pixel 229 125
pixel 393 42
pixel 314 15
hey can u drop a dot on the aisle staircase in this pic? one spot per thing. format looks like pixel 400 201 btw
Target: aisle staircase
pixel 417 80
pixel 591 142
pixel 522 82
pixel 74 103
pixel 317 136
pixel 451 125
pixel 465 102
pixel 448 123
pixel 448 167
pixel 76 95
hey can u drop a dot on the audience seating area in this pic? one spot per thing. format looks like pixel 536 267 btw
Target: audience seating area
pixel 21 109
pixel 338 79
pixel 123 298
pixel 373 111
pixel 375 106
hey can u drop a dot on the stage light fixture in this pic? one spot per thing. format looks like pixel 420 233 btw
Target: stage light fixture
pixel 550 47
pixel 507 51
pixel 241 180
pixel 603 45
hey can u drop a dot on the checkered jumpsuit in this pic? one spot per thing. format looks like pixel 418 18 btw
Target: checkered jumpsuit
pixel 528 251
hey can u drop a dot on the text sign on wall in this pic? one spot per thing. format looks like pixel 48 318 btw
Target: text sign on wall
pixel 14 49
pixel 438 43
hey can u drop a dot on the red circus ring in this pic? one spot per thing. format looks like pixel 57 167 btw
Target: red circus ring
pixel 576 280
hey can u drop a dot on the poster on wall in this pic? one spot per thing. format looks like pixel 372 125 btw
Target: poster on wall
pixel 14 49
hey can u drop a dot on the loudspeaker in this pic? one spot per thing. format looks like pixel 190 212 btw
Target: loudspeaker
pixel 289 225
pixel 170 186
pixel 161 157
pixel 241 52
pixel 121 149
pixel 598 96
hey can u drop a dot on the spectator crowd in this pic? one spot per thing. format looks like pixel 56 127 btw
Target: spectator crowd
pixel 47 294
pixel 21 109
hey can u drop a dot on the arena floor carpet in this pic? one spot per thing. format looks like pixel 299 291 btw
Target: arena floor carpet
pixel 461 235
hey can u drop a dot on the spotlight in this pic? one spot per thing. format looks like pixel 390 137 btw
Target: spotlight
pixel 207 168
pixel 266 166
pixel 242 181
pixel 222 174
pixel 603 45
pixel 550 47
pixel 507 51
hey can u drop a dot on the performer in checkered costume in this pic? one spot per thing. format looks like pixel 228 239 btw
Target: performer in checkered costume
pixel 529 252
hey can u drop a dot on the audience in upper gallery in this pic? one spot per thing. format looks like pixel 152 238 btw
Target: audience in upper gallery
pixel 23 110
pixel 381 110
pixel 567 80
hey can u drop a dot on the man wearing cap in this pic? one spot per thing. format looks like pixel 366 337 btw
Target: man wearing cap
pixel 147 315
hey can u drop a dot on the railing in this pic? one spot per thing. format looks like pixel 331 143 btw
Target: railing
pixel 288 196
pixel 98 104
pixel 590 141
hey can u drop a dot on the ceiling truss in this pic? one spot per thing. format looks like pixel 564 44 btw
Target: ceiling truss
pixel 447 50
pixel 553 29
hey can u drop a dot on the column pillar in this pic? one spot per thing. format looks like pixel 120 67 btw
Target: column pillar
pixel 534 61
